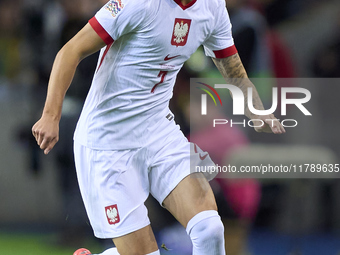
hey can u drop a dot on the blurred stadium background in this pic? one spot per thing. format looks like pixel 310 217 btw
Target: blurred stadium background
pixel 41 211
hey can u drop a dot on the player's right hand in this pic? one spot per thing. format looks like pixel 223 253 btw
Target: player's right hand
pixel 46 133
pixel 270 125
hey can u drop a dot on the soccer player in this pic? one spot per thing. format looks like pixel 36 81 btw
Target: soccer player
pixel 126 143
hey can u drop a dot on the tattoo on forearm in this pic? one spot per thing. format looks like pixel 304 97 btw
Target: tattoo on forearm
pixel 231 67
pixel 233 71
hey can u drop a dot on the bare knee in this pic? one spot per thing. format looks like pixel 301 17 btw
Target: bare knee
pixel 192 196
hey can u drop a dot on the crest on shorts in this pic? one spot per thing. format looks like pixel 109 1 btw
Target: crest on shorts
pixel 114 6
pixel 112 214
pixel 181 32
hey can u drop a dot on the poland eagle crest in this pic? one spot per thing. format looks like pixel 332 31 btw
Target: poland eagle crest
pixel 181 32
pixel 112 214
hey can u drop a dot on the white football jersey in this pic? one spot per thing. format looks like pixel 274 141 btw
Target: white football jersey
pixel 147 44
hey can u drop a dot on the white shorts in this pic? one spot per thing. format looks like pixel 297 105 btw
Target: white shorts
pixel 115 184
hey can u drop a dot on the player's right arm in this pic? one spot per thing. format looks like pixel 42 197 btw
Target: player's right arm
pixel 233 71
pixel 83 44
pixel 220 46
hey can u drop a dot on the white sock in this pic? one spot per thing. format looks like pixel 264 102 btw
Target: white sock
pixel 206 231
pixel 113 251
pixel 154 253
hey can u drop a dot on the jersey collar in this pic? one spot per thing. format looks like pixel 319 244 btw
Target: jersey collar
pixel 185 6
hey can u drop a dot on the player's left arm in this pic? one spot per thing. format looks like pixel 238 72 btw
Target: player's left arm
pixel 232 70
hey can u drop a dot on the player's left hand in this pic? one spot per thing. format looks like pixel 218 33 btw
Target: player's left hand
pixel 271 125
pixel 46 132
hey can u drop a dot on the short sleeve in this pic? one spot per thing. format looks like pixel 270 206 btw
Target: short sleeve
pixel 220 43
pixel 116 18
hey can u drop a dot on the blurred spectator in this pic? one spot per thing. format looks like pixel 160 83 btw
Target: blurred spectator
pixel 77 13
pixel 277 11
pixel 326 62
pixel 261 49
pixel 10 41
pixel 249 32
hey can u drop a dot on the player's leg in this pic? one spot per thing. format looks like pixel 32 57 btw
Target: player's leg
pixel 193 204
pixel 187 195
pixel 114 193
pixel 140 242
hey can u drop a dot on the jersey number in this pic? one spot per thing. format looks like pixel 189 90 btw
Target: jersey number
pixel 161 74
